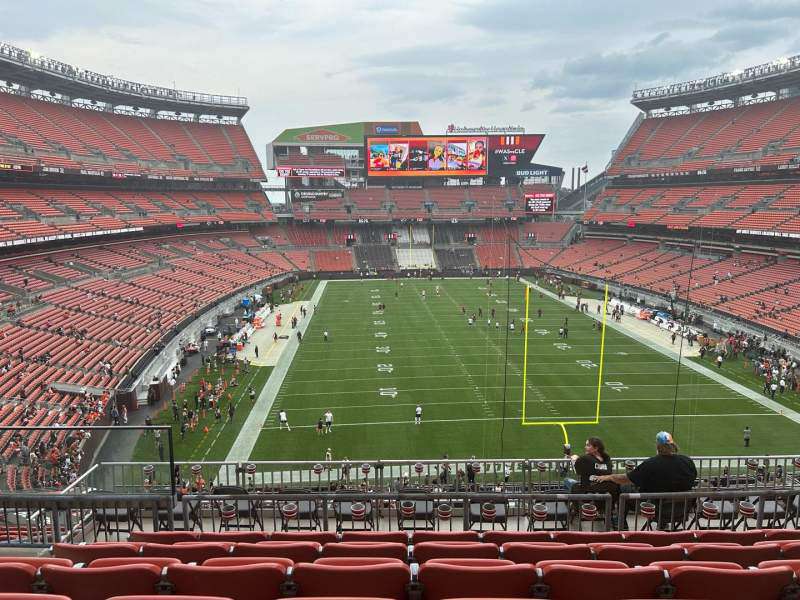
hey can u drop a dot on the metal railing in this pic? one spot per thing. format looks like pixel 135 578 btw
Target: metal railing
pixel 38 521
pixel 714 472
pixel 718 509
pixel 409 509
pixel 54 67
pixel 755 73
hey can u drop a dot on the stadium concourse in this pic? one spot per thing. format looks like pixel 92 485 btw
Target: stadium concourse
pixel 447 339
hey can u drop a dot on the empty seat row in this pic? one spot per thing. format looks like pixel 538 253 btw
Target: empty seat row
pixel 631 553
pixel 391 579
pixel 654 538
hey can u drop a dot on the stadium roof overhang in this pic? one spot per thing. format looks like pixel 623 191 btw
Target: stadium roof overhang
pixel 43 74
pixel 770 77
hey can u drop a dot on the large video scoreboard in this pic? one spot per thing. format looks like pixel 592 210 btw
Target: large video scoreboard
pixel 451 155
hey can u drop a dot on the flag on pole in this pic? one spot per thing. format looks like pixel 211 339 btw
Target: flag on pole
pixel 585 168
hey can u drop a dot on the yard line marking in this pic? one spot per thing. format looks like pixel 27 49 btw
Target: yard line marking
pixel 462 402
pixel 424 422
pixel 566 374
pixel 490 387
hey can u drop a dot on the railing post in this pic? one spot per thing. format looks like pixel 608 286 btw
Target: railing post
pixel 609 508
pixel 184 511
pixel 622 507
pixel 56 525
pixel 325 526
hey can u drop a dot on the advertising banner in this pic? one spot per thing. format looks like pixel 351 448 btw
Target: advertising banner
pixel 310 171
pixel 510 153
pixel 316 194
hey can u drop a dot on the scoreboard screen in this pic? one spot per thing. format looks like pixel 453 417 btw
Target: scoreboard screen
pixel 540 202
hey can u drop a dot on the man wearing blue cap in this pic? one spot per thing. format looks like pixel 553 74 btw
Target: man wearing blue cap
pixel 668 471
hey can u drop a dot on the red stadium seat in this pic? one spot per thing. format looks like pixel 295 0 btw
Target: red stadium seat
pixel 659 538
pixel 242 582
pixel 426 550
pixel 774 535
pixel 382 580
pixel 158 561
pixel 161 597
pixel 567 582
pixel 520 552
pixel 470 562
pixel 668 565
pixel 743 555
pixel 725 584
pixel 354 561
pixel 399 537
pixel 588 537
pixel 321 537
pixel 36 561
pixel 372 549
pixel 23 596
pixel 196 552
pixel 249 537
pixel 235 561
pixel 163 537
pixel 594 564
pixel 789 548
pixel 794 564
pixel 441 581
pixel 297 551
pixel 17 578
pixel 637 556
pixel 101 583
pixel 745 538
pixel 86 553
pixel 445 536
pixel 503 537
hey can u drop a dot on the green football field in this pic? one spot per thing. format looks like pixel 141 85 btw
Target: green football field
pixel 377 365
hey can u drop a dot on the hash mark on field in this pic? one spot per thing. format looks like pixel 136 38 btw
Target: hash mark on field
pixel 475 389
pixel 511 365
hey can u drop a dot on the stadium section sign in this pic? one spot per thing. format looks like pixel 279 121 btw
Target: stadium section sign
pixel 316 194
pixel 437 156
pixel 509 154
pixel 540 202
pixel 310 171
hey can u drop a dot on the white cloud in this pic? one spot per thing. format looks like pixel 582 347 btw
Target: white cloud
pixel 562 67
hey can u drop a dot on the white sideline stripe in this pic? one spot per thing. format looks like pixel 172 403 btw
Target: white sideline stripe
pixel 243 446
pixel 566 420
pixel 462 402
pixel 742 390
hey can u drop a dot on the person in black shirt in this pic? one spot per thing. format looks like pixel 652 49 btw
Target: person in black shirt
pixel 596 461
pixel 666 472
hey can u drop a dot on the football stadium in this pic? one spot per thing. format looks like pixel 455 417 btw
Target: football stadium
pixel 364 359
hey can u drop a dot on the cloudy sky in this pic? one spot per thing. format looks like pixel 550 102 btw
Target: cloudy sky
pixel 565 68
